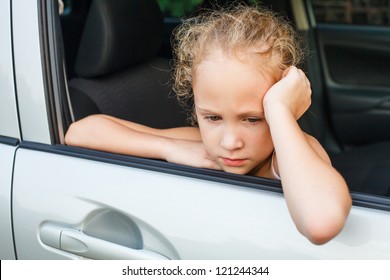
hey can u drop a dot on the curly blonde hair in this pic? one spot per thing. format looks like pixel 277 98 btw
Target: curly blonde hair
pixel 233 29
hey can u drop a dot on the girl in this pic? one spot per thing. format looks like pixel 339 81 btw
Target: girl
pixel 234 70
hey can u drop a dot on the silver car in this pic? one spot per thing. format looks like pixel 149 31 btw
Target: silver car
pixel 61 202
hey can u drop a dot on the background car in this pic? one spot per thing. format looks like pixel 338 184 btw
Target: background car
pixel 112 57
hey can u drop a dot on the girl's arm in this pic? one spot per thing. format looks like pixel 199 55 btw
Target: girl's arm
pixel 109 134
pixel 316 194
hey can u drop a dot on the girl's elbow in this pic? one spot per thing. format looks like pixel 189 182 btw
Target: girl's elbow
pixel 72 136
pixel 330 221
pixel 323 229
pixel 78 131
pixel 321 234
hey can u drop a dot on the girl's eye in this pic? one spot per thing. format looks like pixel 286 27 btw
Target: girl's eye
pixel 253 120
pixel 213 118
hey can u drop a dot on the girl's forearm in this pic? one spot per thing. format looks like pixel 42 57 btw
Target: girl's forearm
pixel 106 134
pixel 316 194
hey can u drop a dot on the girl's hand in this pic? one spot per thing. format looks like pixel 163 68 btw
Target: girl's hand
pixel 293 92
pixel 189 152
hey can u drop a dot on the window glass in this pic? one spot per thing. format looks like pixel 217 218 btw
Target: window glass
pixel 179 8
pixel 67 6
pixel 365 12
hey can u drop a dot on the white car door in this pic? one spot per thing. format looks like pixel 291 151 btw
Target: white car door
pixel 71 203
pixel 67 205
pixel 8 147
pixel 9 131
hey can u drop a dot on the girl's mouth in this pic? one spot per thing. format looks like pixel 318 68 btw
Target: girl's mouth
pixel 233 162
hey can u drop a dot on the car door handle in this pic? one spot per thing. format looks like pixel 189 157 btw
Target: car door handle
pixel 76 242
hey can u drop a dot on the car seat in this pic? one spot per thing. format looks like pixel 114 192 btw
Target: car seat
pixel 118 72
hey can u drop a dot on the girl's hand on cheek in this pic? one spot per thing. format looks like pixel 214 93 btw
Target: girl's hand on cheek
pixel 190 153
pixel 292 92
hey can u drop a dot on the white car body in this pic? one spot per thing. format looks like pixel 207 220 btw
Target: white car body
pixel 58 202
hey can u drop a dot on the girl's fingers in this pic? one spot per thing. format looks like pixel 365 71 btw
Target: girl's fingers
pixel 304 78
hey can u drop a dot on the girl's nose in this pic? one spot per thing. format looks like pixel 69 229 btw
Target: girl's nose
pixel 231 140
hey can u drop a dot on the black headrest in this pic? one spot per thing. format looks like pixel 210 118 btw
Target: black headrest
pixel 118 33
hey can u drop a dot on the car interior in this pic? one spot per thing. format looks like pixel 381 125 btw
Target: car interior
pixel 117 57
pixel 122 75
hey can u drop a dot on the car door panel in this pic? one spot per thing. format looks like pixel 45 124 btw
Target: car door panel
pixel 355 61
pixel 7 152
pixel 9 123
pixel 178 217
pixel 9 131
pixel 29 70
pixel 173 216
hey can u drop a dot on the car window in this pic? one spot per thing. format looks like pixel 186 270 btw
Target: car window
pixel 65 6
pixel 179 8
pixel 362 12
pixel 172 9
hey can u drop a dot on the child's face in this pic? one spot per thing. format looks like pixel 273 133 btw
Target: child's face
pixel 229 96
